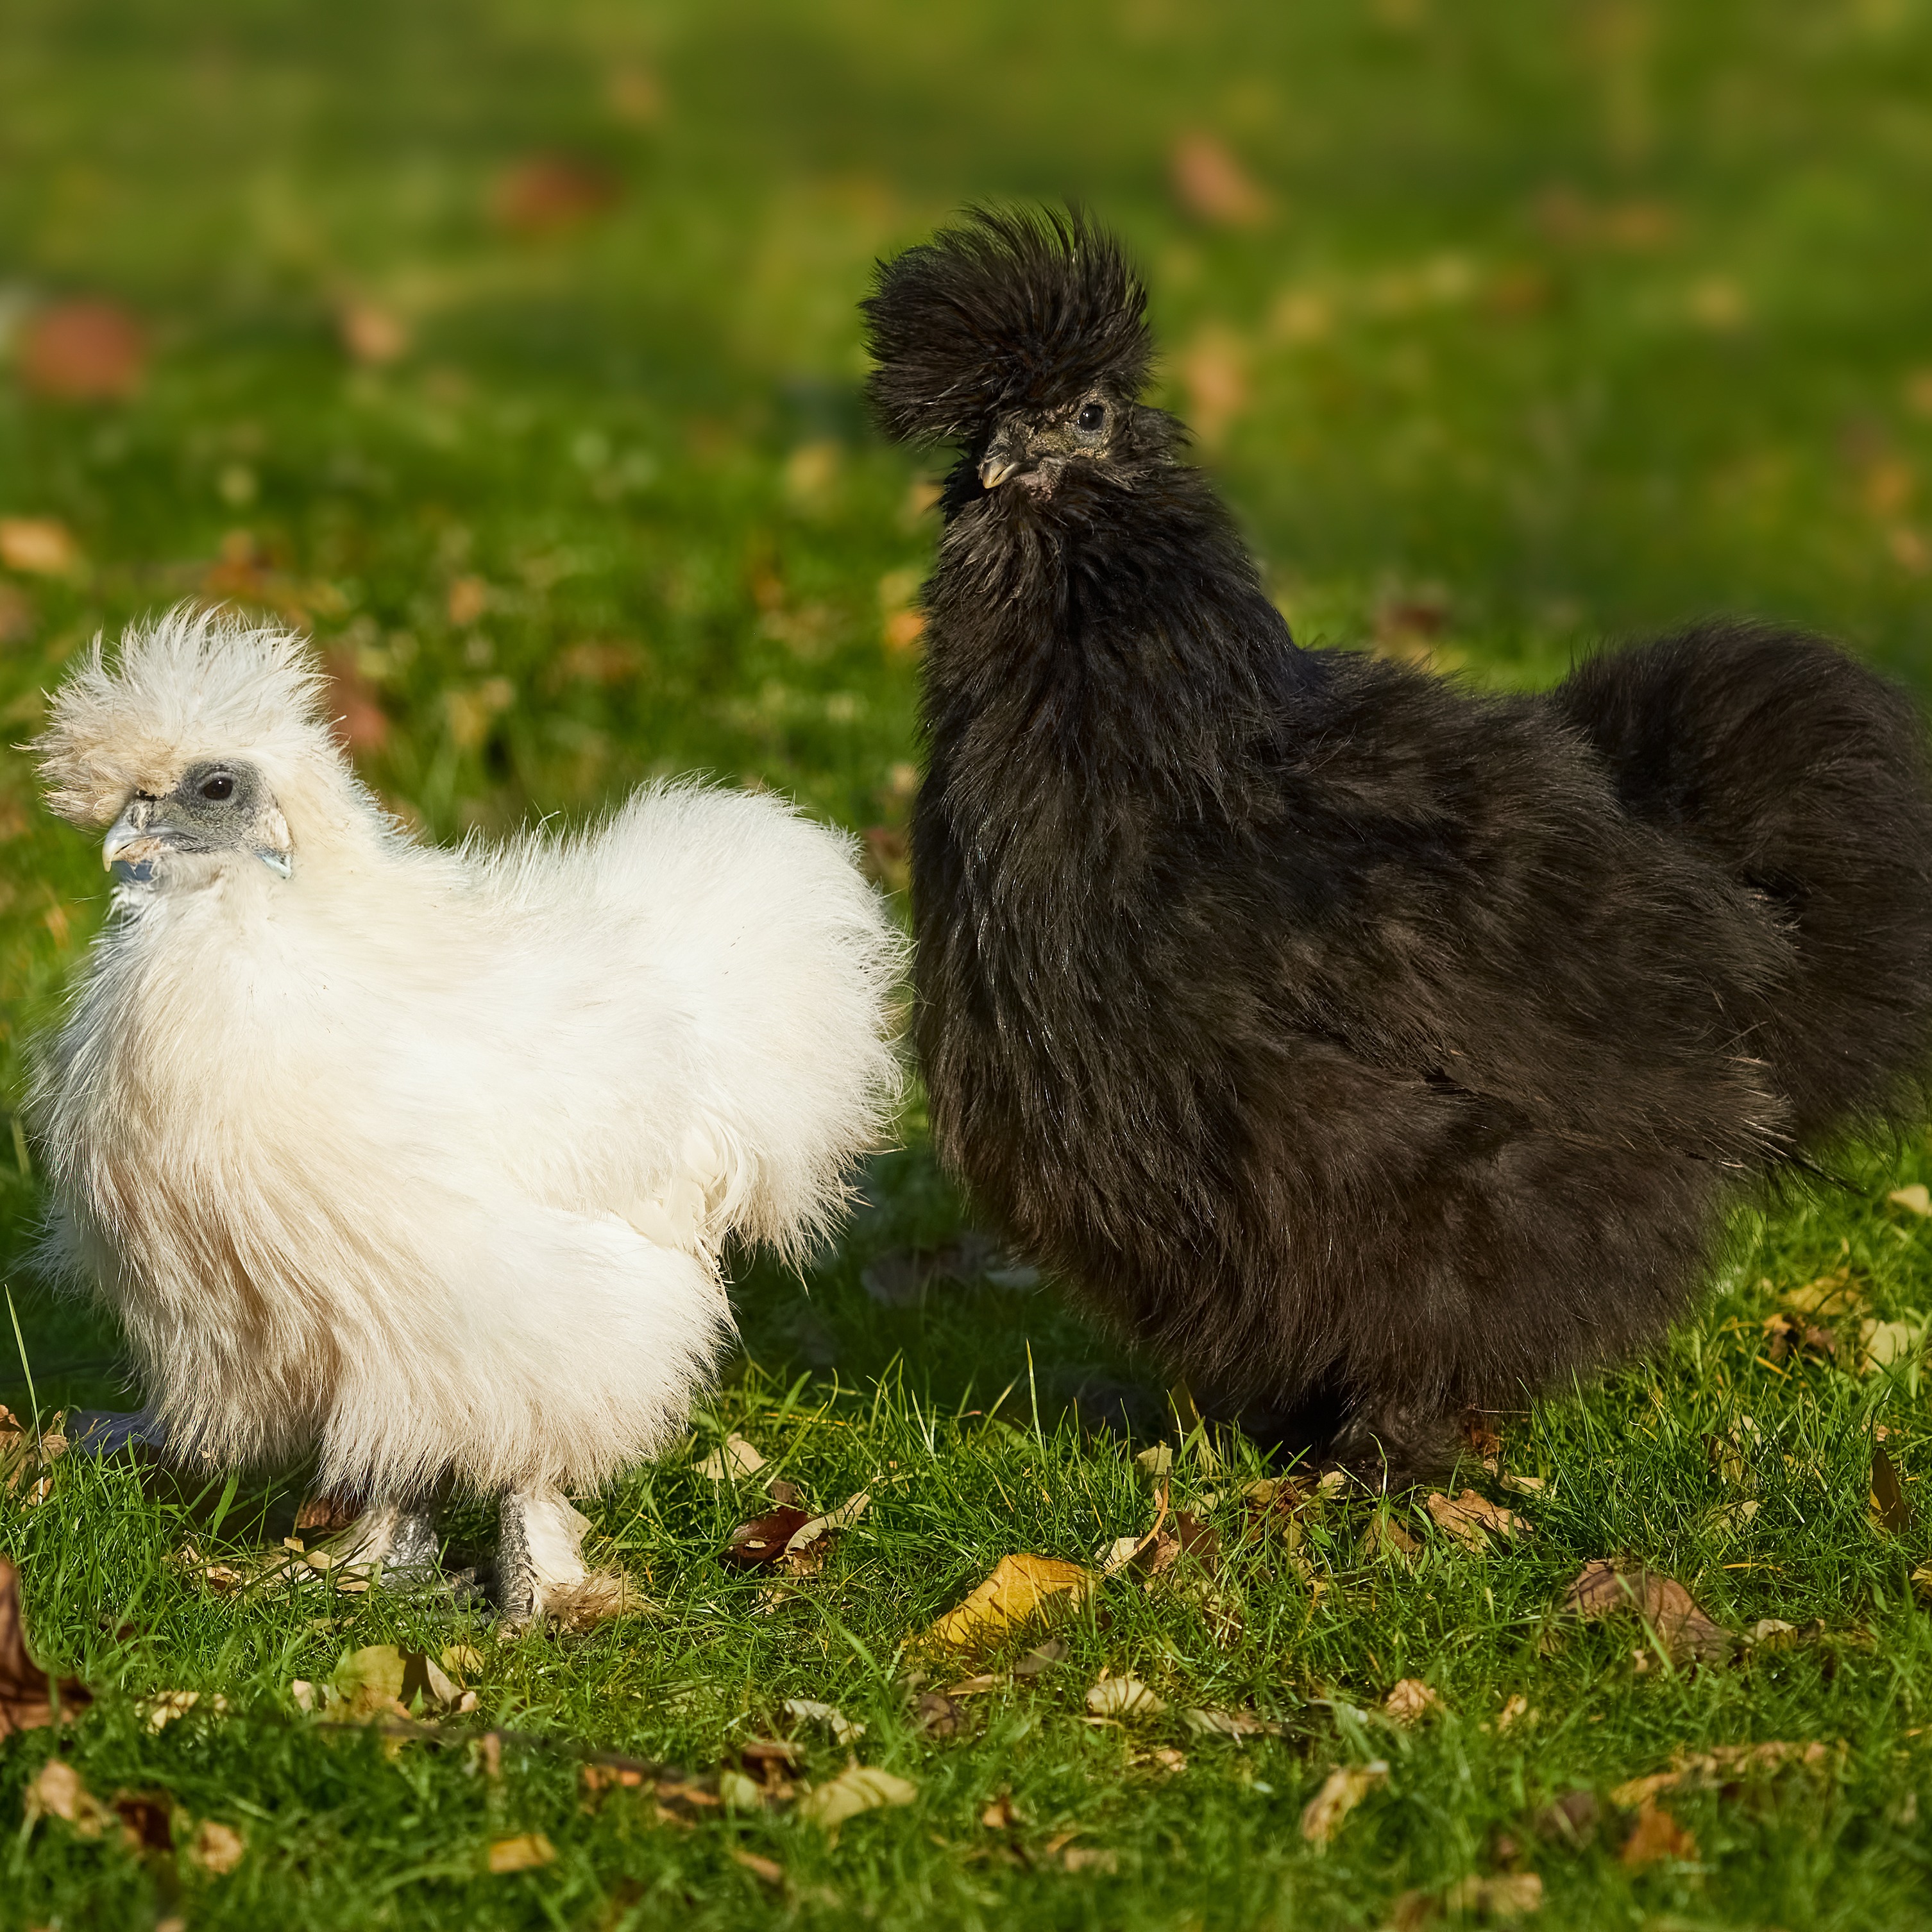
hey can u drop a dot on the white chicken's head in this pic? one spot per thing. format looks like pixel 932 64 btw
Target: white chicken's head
pixel 199 747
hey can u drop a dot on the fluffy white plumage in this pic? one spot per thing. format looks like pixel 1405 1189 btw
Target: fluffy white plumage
pixel 425 1156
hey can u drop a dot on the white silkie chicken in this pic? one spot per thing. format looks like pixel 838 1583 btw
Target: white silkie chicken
pixel 424 1157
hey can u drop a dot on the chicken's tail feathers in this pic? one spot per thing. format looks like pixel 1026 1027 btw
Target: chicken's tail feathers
pixel 1806 775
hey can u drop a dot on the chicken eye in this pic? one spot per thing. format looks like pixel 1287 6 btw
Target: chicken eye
pixel 219 787
pixel 1092 419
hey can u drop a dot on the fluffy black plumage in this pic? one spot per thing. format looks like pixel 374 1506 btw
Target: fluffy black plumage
pixel 1369 1049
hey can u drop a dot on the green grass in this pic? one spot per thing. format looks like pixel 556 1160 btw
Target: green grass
pixel 1557 323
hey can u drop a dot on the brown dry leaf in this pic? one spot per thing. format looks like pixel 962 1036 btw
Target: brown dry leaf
pixel 1472 1519
pixel 1479 1435
pixel 770 1870
pixel 1411 1702
pixel 1214 368
pixel 736 1459
pixel 27 1693
pixel 760 1544
pixel 1516 1711
pixel 1000 1815
pixel 936 1715
pixel 371 333
pixel 1163 1757
pixel 57 1792
pixel 1345 1788
pixel 165 1706
pixel 83 351
pixel 38 546
pixel 548 194
pixel 857 1788
pixel 524 1852
pixel 324 1515
pixel 146 1819
pixel 1600 1589
pixel 1888 1501
pixel 1573 1818
pixel 1020 1589
pixel 1385 1537
pixel 217 1848
pixel 1656 1836
pixel 1724 1764
pixel 806 1548
pixel 1506 1895
pixel 1213 186
pixel 1123 1697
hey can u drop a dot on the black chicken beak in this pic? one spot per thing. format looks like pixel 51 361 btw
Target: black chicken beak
pixel 1005 455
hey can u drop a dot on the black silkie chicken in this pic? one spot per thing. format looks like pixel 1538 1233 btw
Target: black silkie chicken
pixel 1368 1049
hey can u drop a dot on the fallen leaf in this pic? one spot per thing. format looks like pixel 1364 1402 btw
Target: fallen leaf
pixel 56 1791
pixel 28 1694
pixel 524 1852
pixel 1211 184
pixel 806 1548
pixel 770 1870
pixel 1832 1295
pixel 468 598
pixel 858 1788
pixel 1600 1589
pixel 1000 1815
pixel 1524 1486
pixel 87 351
pixel 216 1847
pixel 324 1515
pixel 1385 1537
pixel 165 1706
pixel 1411 1702
pixel 804 1711
pixel 1883 1344
pixel 1472 1519
pixel 371 333
pixel 1506 1895
pixel 1889 1502
pixel 761 1542
pixel 1236 1724
pixel 1085 1857
pixel 1516 1711
pixel 1770 1630
pixel 1343 1789
pixel 1722 1764
pixel 1916 1198
pixel 1657 1836
pixel 1163 1756
pixel 936 1715
pixel 37 546
pixel 548 194
pixel 737 1459
pixel 1123 1697
pixel 1574 1817
pixel 1213 366
pixel 1020 1587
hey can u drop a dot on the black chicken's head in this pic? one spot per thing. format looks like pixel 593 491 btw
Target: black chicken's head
pixel 1024 337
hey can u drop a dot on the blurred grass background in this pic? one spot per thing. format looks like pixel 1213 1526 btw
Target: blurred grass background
pixel 511 349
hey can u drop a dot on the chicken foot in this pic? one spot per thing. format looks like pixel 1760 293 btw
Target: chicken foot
pixel 541 1573
pixel 395 1542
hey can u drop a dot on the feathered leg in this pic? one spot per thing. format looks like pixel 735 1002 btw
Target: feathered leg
pixel 540 1568
pixel 395 1541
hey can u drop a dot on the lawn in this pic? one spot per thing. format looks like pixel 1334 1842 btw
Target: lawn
pixel 511 350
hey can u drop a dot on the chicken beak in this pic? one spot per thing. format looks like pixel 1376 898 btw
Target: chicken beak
pixel 995 466
pixel 129 842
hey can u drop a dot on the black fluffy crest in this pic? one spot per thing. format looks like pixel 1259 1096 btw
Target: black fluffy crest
pixel 1004 310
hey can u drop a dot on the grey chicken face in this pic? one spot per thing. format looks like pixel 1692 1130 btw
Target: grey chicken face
pixel 216 808
pixel 1034 448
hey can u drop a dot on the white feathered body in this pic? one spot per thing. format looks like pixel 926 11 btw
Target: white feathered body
pixel 425 1156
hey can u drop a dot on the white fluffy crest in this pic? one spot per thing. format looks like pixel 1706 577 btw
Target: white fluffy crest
pixel 195 683
pixel 427 1156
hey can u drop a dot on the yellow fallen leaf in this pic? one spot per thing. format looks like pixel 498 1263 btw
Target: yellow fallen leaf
pixel 737 1458
pixel 1507 1895
pixel 858 1788
pixel 805 1711
pixel 1020 1588
pixel 1882 1344
pixel 1917 1198
pixel 521 1854
pixel 1472 1520
pixel 1343 1789
pixel 165 1706
pixel 57 1792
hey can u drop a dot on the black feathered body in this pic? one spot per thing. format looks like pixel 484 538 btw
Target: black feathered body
pixel 1368 1049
